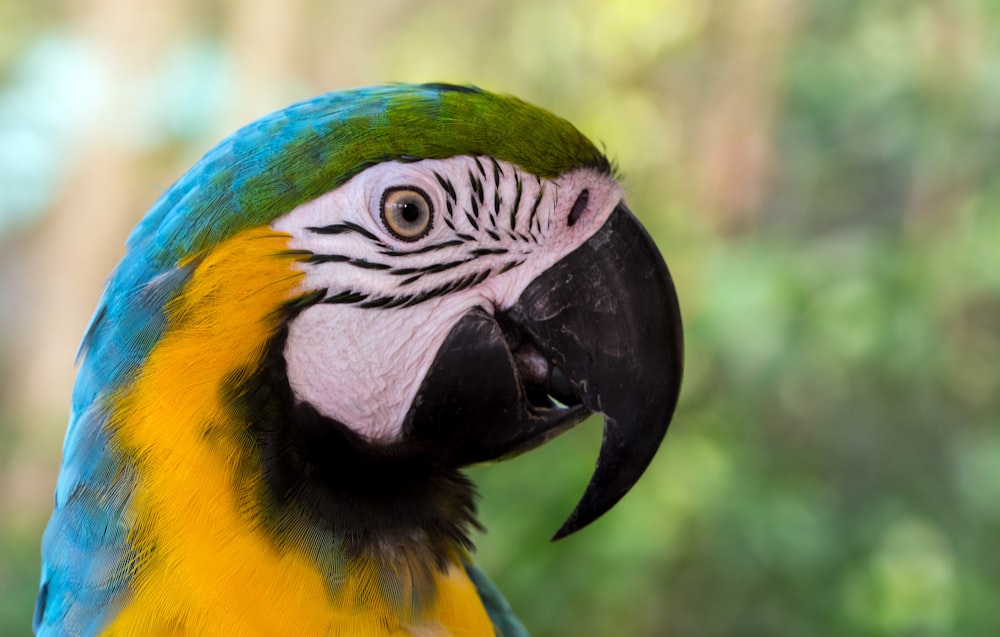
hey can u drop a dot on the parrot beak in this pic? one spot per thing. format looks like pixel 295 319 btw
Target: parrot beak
pixel 599 332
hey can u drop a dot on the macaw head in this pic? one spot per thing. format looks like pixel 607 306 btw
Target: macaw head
pixel 472 309
pixel 344 304
pixel 468 284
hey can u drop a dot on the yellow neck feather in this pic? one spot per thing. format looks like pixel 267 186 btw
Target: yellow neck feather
pixel 204 564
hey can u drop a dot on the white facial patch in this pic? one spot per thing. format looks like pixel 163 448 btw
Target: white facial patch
pixel 390 300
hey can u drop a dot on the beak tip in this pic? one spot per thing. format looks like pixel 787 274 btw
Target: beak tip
pixel 570 526
pixel 594 504
pixel 561 533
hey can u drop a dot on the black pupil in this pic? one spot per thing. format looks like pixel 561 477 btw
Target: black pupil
pixel 409 211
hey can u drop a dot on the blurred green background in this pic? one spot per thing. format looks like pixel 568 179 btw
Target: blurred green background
pixel 820 176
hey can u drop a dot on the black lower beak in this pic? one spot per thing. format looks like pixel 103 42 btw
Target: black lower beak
pixel 600 331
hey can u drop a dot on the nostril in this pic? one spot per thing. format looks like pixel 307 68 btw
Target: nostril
pixel 578 206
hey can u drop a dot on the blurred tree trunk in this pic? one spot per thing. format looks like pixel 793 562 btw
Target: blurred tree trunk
pixel 734 153
pixel 265 38
pixel 66 259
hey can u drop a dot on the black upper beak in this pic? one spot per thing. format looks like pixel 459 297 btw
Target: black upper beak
pixel 601 331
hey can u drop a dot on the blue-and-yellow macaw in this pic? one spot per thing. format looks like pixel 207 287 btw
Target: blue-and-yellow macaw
pixel 311 334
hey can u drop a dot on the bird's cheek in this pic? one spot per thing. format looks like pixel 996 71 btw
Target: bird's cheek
pixel 355 366
pixel 363 367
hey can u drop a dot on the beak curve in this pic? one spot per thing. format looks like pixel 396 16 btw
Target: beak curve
pixel 607 315
pixel 604 325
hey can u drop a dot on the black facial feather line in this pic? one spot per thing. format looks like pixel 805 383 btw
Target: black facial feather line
pixel 347 226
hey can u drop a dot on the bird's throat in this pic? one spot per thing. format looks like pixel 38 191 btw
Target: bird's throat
pixel 397 504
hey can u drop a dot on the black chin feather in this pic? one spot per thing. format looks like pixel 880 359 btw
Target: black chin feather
pixel 383 500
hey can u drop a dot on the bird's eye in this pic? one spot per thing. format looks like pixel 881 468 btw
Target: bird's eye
pixel 407 212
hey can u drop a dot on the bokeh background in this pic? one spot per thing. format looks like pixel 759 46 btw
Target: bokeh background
pixel 821 177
